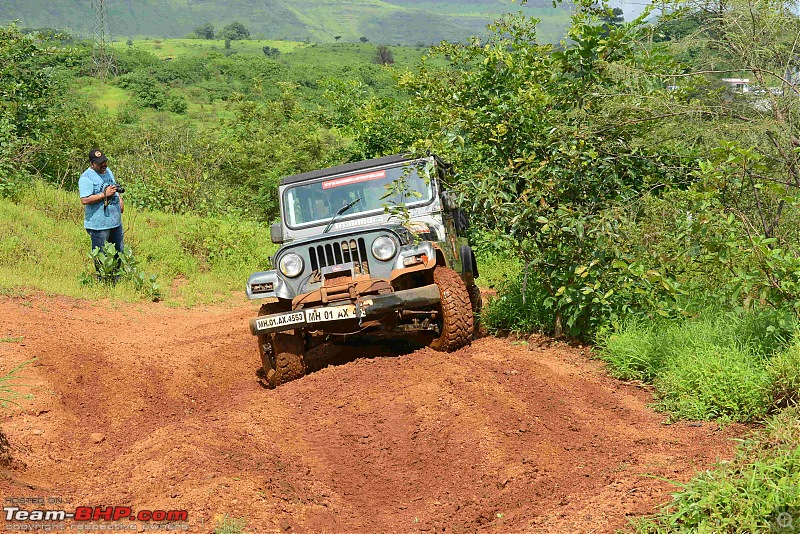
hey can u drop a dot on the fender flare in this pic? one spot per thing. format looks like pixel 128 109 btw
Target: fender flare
pixel 469 266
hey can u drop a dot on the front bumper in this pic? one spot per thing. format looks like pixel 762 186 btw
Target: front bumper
pixel 363 307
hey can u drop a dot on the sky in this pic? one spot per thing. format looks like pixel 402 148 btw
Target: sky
pixel 631 8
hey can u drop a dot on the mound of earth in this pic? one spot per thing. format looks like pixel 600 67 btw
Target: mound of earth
pixel 159 408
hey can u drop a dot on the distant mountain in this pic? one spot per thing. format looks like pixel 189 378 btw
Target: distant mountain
pixel 407 22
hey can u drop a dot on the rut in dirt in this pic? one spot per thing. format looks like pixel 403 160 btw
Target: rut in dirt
pixel 167 413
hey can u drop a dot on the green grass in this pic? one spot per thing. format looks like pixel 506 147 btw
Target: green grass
pixel 103 95
pixel 43 246
pixel 721 366
pixel 496 269
pixel 758 491
pixel 230 525
pixel 10 386
pixel 171 48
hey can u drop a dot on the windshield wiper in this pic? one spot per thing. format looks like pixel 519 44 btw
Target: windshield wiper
pixel 342 210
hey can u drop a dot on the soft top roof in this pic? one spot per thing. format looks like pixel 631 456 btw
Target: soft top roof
pixel 347 167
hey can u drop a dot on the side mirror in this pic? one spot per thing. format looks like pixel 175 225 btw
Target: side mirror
pixel 276 233
pixel 449 200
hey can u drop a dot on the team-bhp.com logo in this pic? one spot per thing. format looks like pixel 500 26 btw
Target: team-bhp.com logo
pixel 118 518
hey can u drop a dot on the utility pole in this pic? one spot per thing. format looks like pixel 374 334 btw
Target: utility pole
pixel 103 61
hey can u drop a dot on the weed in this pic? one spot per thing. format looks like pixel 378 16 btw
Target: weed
pixel 714 366
pixel 516 312
pixel 784 378
pixel 633 353
pixel 230 525
pixel 713 382
pixel 10 386
pixel 11 339
pixel 112 266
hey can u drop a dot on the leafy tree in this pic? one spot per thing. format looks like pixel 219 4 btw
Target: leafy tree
pixel 235 31
pixel 547 143
pixel 206 31
pixel 129 42
pixel 752 166
pixel 27 98
pixel 612 18
pixel 337 37
pixel 265 142
pixel 25 89
pixel 363 39
pixel 384 55
pixel 270 51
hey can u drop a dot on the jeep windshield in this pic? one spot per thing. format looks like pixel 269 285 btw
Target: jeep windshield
pixel 316 202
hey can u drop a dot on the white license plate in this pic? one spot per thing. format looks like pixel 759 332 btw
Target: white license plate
pixel 272 321
pixel 333 313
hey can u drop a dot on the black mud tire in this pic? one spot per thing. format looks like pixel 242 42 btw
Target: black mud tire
pixel 267 356
pixel 456 320
pixel 476 301
pixel 282 354
pixel 289 358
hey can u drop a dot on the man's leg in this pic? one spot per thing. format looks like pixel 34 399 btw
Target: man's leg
pixel 117 236
pixel 99 239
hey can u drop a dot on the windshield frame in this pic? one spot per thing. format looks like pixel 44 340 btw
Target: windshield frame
pixel 418 164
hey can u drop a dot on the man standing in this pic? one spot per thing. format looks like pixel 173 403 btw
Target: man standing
pixel 101 201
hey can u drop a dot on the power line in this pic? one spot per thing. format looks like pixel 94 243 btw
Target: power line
pixel 102 58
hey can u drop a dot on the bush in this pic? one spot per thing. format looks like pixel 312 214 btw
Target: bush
pixel 112 267
pixel 511 312
pixel 713 382
pixel 784 378
pixel 725 366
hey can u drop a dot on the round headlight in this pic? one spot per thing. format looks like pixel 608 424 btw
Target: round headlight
pixel 291 265
pixel 383 248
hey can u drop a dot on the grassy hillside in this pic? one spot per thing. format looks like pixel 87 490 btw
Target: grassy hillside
pixel 396 22
pixel 44 247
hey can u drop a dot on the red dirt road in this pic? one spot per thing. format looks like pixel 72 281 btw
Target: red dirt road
pixel 159 408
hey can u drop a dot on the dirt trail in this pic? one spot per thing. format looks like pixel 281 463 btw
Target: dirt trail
pixel 159 408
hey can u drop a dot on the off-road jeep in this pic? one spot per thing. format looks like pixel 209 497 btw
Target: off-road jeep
pixel 376 244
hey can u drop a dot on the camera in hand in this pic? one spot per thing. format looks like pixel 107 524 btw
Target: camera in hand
pixel 120 189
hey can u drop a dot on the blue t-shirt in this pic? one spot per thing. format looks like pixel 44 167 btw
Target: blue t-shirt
pixel 97 216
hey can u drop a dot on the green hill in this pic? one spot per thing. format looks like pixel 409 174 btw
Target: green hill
pixel 381 21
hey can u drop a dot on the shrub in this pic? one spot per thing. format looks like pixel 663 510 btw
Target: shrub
pixel 784 378
pixel 112 267
pixel 516 311
pixel 632 353
pixel 713 382
pixel 725 366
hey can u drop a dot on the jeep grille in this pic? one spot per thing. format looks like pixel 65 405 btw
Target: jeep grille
pixel 340 252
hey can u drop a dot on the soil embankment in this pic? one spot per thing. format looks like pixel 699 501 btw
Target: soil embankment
pixel 159 408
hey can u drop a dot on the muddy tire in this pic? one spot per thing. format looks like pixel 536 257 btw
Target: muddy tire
pixel 476 302
pixel 282 354
pixel 289 359
pixel 457 324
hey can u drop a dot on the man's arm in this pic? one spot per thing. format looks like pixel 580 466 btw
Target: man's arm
pixel 99 197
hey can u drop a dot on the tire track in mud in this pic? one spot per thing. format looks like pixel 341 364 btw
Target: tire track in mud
pixel 166 413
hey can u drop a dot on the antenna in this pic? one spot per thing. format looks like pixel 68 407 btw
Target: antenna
pixel 103 62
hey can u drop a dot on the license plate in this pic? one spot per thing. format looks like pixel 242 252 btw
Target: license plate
pixel 265 323
pixel 333 313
